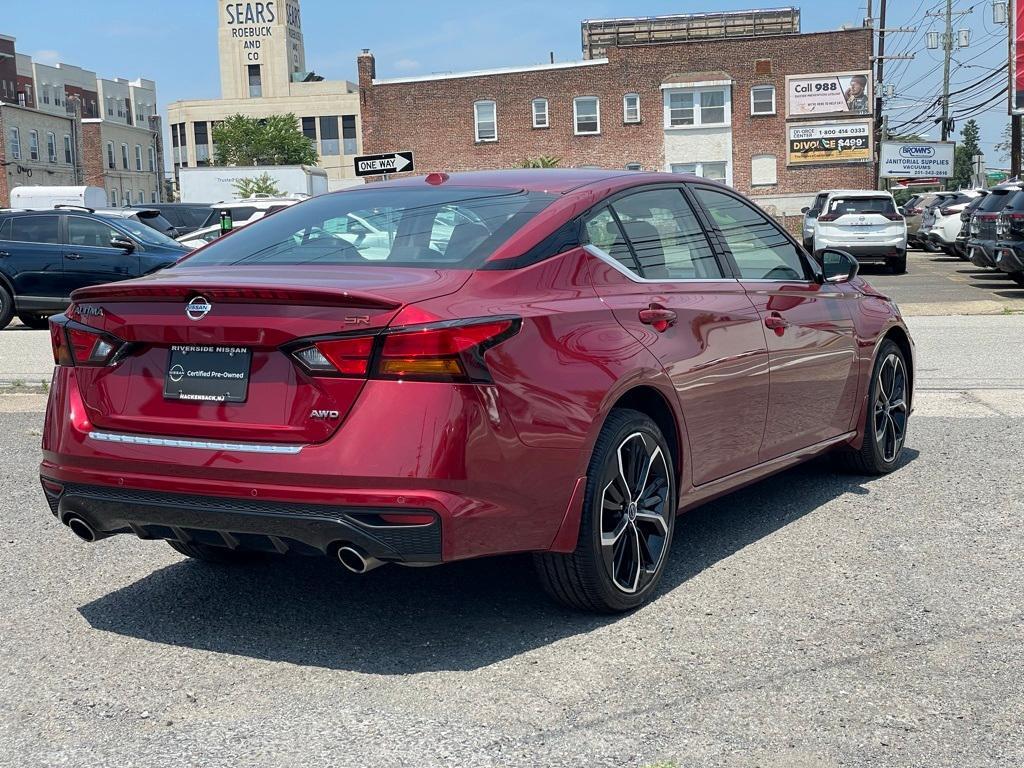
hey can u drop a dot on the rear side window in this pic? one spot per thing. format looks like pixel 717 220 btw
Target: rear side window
pixel 410 227
pixel 996 201
pixel 840 206
pixel 759 248
pixel 36 229
pixel 5 229
pixel 243 214
pixel 666 236
pixel 603 232
pixel 1015 201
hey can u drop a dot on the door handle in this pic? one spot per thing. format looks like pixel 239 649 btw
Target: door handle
pixel 777 323
pixel 72 255
pixel 4 254
pixel 658 317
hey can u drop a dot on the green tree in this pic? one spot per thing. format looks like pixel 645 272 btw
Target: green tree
pixel 963 160
pixel 260 185
pixel 277 140
pixel 544 161
pixel 1005 143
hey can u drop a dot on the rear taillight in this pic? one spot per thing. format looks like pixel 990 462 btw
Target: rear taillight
pixel 75 344
pixel 947 211
pixel 447 351
pixel 828 217
pixel 893 216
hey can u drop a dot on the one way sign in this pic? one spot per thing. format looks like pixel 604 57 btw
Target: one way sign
pixel 379 165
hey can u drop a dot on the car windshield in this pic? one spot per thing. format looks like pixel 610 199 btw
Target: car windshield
pixel 840 206
pixel 407 227
pixel 143 233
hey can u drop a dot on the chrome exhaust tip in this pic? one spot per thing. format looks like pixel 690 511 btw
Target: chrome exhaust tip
pixel 81 529
pixel 356 560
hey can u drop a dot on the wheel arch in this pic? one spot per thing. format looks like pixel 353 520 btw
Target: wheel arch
pixel 898 335
pixel 652 402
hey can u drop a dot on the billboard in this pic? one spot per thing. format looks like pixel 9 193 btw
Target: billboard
pixel 842 141
pixel 1017 57
pixel 917 160
pixel 829 95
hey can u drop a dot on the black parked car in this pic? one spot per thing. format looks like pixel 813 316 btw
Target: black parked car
pixel 45 255
pixel 981 246
pixel 186 217
pixel 1009 251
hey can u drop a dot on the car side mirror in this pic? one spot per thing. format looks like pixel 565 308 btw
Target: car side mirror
pixel 805 209
pixel 838 266
pixel 902 211
pixel 122 242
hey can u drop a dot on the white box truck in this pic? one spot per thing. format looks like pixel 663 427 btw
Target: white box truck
pixel 43 198
pixel 214 184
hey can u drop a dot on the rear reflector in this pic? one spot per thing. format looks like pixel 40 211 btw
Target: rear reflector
pixel 445 351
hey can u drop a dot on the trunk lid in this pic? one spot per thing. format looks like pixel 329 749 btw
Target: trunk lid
pixel 257 309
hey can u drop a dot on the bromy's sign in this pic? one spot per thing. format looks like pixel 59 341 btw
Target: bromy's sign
pixel 917 160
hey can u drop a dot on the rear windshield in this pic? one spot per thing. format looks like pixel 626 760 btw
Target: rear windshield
pixel 975 203
pixel 155 220
pixel 996 201
pixel 840 206
pixel 1016 201
pixel 388 226
pixel 184 217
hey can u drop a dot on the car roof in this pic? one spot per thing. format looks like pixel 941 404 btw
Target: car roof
pixel 553 180
pixel 860 193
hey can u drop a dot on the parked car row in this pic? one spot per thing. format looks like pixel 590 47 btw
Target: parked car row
pixel 864 223
pixel 996 238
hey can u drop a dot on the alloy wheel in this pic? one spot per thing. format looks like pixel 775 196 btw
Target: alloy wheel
pixel 634 513
pixel 890 408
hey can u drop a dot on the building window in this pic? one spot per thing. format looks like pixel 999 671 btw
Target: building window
pixel 631 108
pixel 51 147
pixel 142 197
pixel 634 167
pixel 69 156
pixel 586 113
pixel 329 136
pixel 485 121
pixel 113 198
pixel 45 91
pixel 202 136
pixel 152 197
pixel 255 82
pixel 33 145
pixel 110 107
pixel 309 128
pixel 762 100
pixel 152 160
pixel 15 144
pixel 540 113
pixel 110 155
pixel 138 157
pixel 124 156
pixel 717 171
pixel 694 108
pixel 764 170
pixel 348 134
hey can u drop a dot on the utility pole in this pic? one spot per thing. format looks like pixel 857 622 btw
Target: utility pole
pixel 879 80
pixel 947 45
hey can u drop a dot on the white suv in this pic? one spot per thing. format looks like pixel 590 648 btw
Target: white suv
pixel 941 222
pixel 249 209
pixel 864 223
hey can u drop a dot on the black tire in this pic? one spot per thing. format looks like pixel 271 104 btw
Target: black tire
pixel 1017 277
pixel 898 265
pixel 586 579
pixel 217 555
pixel 6 307
pixel 36 322
pixel 873 458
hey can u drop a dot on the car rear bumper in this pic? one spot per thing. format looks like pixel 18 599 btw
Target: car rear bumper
pixel 982 253
pixel 1009 257
pixel 873 252
pixel 449 451
pixel 248 524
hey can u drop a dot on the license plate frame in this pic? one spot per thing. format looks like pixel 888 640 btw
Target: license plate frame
pixel 198 373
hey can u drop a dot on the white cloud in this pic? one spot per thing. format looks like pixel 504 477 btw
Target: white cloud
pixel 405 65
pixel 46 57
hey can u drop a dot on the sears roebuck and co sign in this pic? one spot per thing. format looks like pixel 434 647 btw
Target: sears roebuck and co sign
pixel 923 159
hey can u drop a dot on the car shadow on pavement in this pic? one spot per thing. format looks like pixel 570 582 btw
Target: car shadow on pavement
pixel 396 621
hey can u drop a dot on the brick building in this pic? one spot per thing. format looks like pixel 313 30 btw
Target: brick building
pixel 771 112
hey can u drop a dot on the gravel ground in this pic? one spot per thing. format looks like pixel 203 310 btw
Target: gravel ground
pixel 815 619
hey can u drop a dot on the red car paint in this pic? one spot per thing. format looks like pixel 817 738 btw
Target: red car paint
pixel 757 376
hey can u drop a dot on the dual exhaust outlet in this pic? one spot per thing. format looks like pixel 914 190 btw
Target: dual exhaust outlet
pixel 353 559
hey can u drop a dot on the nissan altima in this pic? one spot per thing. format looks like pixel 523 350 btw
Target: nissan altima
pixel 555 362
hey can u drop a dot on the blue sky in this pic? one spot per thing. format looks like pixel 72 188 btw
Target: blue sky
pixel 175 43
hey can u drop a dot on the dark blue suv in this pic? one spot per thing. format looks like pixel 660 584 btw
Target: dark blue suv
pixel 45 255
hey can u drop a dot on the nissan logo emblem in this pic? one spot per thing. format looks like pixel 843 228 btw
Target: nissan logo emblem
pixel 198 308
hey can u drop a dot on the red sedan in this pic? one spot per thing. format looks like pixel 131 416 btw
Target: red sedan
pixel 440 368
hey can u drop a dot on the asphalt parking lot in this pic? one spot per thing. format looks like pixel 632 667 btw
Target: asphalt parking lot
pixel 816 619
